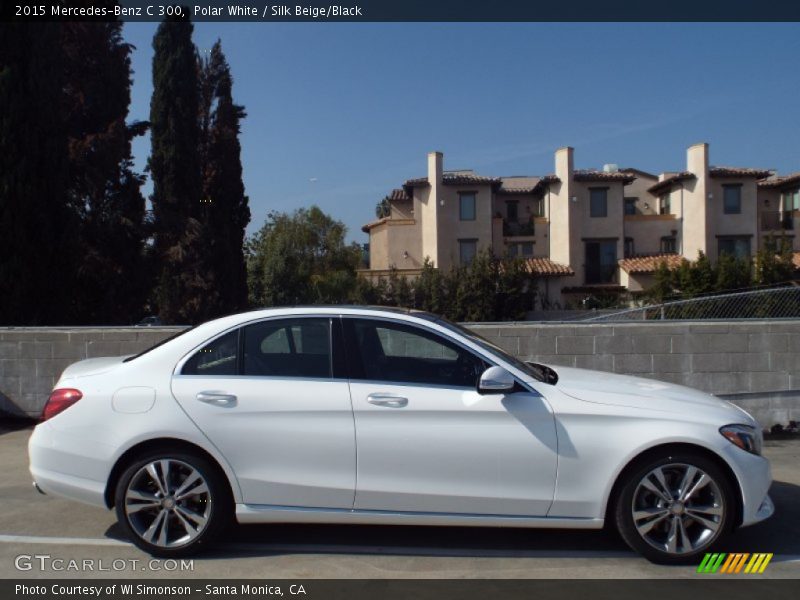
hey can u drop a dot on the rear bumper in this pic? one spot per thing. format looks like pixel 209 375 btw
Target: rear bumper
pixel 49 460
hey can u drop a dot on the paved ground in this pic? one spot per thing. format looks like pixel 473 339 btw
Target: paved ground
pixel 35 525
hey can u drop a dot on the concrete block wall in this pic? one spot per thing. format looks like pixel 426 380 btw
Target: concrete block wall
pixel 753 363
pixel 32 358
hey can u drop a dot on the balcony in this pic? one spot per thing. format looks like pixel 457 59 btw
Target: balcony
pixel 775 220
pixel 512 229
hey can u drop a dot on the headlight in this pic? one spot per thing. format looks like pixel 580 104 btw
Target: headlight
pixel 746 437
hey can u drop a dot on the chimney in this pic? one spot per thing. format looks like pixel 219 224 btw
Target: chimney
pixel 565 165
pixel 429 209
pixel 435 167
pixel 564 229
pixel 697 160
pixel 698 225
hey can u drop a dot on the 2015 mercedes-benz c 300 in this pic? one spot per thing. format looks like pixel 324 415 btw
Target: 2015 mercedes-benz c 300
pixel 370 415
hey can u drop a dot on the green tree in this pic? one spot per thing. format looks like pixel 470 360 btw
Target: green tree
pixel 104 190
pixel 732 273
pixel 429 289
pixel 383 208
pixel 37 225
pixel 773 263
pixel 226 211
pixel 302 258
pixel 693 279
pixel 185 289
pixel 664 282
pixel 482 281
pixel 516 290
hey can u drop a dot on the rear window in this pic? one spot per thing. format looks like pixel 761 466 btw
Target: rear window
pixel 159 344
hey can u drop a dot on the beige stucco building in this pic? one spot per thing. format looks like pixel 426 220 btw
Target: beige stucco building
pixel 583 231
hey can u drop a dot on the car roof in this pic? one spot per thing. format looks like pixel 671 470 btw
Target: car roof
pixel 195 335
pixel 326 308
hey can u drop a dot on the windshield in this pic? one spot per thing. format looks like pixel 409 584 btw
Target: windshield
pixel 538 372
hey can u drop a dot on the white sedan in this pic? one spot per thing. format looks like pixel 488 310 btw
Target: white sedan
pixel 369 415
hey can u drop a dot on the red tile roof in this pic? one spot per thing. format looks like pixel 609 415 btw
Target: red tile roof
pixel 638 172
pixel 667 182
pixel 649 263
pixel 519 185
pixel 780 180
pixel 547 268
pixel 591 175
pixel 368 226
pixel 456 178
pixel 738 172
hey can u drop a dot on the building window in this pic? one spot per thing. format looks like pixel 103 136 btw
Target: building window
pixel 665 205
pixel 523 249
pixel 630 206
pixel 512 211
pixel 598 202
pixel 669 245
pixel 601 261
pixel 791 200
pixel 738 247
pixel 467 249
pixel 732 199
pixel 466 206
pixel 629 247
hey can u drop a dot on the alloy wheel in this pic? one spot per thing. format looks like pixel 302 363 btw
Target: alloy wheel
pixel 678 508
pixel 168 503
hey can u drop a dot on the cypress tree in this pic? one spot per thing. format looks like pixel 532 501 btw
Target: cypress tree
pixel 184 287
pixel 225 203
pixel 103 188
pixel 36 224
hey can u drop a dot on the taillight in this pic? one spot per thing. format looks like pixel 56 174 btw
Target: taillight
pixel 59 401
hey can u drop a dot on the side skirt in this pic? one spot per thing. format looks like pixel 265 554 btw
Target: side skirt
pixel 267 513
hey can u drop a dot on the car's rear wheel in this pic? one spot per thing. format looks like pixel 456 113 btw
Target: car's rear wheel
pixel 674 508
pixel 172 503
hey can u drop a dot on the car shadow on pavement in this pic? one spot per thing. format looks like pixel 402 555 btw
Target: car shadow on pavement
pixel 12 423
pixel 779 535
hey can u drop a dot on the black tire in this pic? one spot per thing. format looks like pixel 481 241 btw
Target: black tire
pixel 216 506
pixel 678 512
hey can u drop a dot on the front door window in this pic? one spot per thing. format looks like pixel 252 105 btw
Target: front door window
pixel 391 352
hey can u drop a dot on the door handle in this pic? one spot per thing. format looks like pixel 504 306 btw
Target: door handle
pixel 217 398
pixel 390 400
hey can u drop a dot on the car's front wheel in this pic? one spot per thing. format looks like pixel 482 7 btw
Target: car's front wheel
pixel 674 508
pixel 172 503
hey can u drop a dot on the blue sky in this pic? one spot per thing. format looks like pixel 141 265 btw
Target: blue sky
pixel 339 114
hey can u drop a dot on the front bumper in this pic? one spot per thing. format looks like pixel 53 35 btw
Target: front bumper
pixel 755 478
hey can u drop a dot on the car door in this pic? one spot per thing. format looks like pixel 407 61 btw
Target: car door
pixel 429 442
pixel 272 399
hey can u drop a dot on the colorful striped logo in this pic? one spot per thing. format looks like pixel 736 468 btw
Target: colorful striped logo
pixel 736 562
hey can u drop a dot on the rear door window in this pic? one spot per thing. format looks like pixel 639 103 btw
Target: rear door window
pixel 288 348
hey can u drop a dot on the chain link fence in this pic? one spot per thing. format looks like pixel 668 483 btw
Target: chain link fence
pixel 774 303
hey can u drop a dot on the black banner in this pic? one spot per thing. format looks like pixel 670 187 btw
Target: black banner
pixel 407 10
pixel 705 587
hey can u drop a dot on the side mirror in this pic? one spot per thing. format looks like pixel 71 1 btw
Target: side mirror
pixel 495 380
